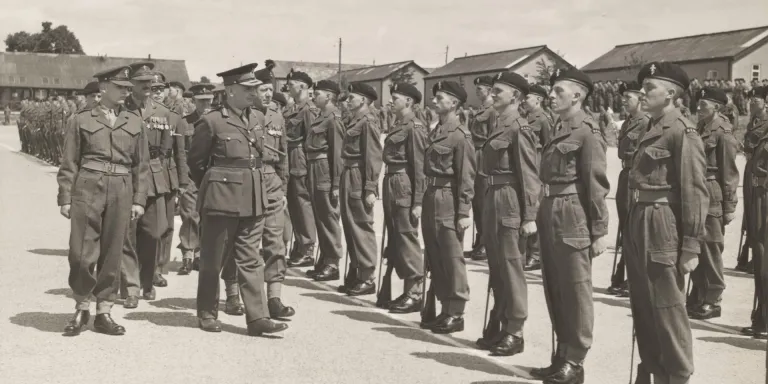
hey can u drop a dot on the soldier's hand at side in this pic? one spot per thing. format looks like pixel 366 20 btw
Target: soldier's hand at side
pixel 728 217
pixel 284 202
pixel 415 213
pixel 370 199
pixel 600 245
pixel 687 262
pixel 528 228
pixel 464 223
pixel 136 211
pixel 64 210
pixel 335 197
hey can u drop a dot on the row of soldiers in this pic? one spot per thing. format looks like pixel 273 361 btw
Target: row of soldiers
pixel 260 171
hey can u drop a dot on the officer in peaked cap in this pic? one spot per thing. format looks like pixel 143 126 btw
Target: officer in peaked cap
pixel 298 120
pixel 225 162
pixel 675 208
pixel 358 188
pixel 189 240
pixel 402 193
pixel 147 248
pixel 159 87
pixel 631 130
pixel 102 188
pixel 481 124
pixel 569 236
pixel 510 162
pixel 449 168
pixel 323 148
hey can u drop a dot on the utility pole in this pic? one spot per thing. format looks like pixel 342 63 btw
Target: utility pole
pixel 339 61
pixel 446 54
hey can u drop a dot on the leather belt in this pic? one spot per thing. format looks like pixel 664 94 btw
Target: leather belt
pixel 396 168
pixel 238 163
pixel 316 155
pixel 159 153
pixel 106 167
pixel 295 145
pixel 551 190
pixel 503 179
pixel 440 181
pixel 626 164
pixel 659 197
pixel 352 163
pixel 759 181
pixel 711 175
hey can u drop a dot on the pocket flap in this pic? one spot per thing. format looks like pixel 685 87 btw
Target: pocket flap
pixel 225 177
pixel 663 257
pixel 356 131
pixel 155 165
pixel 397 137
pixel 357 195
pixel 567 147
pixel 511 222
pixel 227 137
pixel 441 149
pixel 92 127
pixel 132 129
pixel 319 129
pixel 657 153
pixel 498 144
pixel 709 144
pixel 577 242
pixel 633 135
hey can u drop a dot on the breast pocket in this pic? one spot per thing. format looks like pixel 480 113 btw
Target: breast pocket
pixel 395 145
pixel 440 156
pixel 317 138
pixel 565 157
pixel 498 156
pixel 224 190
pixel 91 140
pixel 125 138
pixel 655 163
pixel 352 140
pixel 710 147
pixel 229 145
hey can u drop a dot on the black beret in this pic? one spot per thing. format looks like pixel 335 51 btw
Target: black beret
pixel 365 90
pixel 759 92
pixel 242 75
pixel 538 90
pixel 452 88
pixel 90 89
pixel 571 74
pixel 714 94
pixel 513 80
pixel 484 80
pixel 343 97
pixel 408 90
pixel 666 71
pixel 327 85
pixel 299 76
pixel 187 95
pixel 265 74
pixel 632 86
pixel 177 85
pixel 202 91
pixel 279 98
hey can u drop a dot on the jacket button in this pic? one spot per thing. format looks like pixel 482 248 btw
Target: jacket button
pixel 225 179
pixel 228 138
pixel 251 156
pixel 252 140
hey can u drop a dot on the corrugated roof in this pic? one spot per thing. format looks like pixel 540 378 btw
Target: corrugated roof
pixel 376 72
pixel 317 71
pixel 486 62
pixel 59 71
pixel 719 45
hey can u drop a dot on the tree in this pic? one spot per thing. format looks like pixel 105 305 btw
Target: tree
pixel 56 40
pixel 544 71
pixel 403 75
pixel 204 79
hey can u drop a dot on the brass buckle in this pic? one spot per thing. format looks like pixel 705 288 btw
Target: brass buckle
pixel 110 168
pixel 635 195
pixel 546 190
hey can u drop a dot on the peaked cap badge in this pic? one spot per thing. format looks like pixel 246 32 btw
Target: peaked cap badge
pixel 653 69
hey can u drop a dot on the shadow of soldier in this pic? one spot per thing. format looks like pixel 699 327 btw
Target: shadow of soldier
pixel 49 252
pixel 468 362
pixel 738 342
pixel 175 303
pixel 42 321
pixel 178 319
pixel 66 292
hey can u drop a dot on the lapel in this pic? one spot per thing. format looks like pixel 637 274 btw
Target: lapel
pixel 233 119
pixel 657 129
pixel 442 131
pixel 123 116
pixel 98 113
pixel 400 123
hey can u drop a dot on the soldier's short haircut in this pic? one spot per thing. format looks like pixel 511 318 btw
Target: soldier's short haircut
pixel 576 88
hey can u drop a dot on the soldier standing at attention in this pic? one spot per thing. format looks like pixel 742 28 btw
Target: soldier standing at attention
pixel 403 190
pixel 359 186
pixel 144 246
pixel 541 124
pixel 298 121
pixel 573 224
pixel 480 125
pixel 631 130
pixel 102 188
pixel 281 102
pixel 225 162
pixel 175 98
pixel 449 165
pixel 666 226
pixel 511 164
pixel 324 145
pixel 720 149
pixel 756 203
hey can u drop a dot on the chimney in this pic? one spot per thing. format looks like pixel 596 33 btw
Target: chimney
pixel 149 56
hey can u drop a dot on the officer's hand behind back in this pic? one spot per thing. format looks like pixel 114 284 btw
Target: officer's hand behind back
pixel 687 262
pixel 136 211
pixel 528 228
pixel 599 245
pixel 64 210
pixel 728 217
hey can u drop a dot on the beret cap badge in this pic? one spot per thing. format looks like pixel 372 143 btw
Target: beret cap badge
pixel 653 69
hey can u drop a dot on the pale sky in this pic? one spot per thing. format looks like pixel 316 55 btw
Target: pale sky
pixel 216 35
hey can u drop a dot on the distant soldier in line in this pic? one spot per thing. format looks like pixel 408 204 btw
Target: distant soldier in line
pixel 730 111
pixel 720 150
pixel 92 95
pixel 325 139
pixel 102 188
pixel 175 98
pixel 225 162
pixel 450 167
pixel 7 114
pixel 572 223
pixel 481 124
pixel 683 108
pixel 511 164
pixel 666 227
pixel 359 184
pixel 756 205
pixel 541 123
pixel 631 131
pixel 298 121
pixel 402 193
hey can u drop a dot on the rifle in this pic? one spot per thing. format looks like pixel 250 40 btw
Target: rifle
pixel 743 257
pixel 384 296
pixel 493 326
pixel 616 251
pixel 428 304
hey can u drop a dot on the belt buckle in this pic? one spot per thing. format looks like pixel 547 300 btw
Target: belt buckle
pixel 754 180
pixel 431 181
pixel 635 195
pixel 110 168
pixel 489 180
pixel 546 190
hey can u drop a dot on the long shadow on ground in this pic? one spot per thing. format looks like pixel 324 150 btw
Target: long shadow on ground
pixel 42 321
pixel 738 342
pixel 466 361
pixel 49 252
pixel 178 319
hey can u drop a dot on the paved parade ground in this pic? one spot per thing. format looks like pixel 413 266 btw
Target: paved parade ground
pixel 332 339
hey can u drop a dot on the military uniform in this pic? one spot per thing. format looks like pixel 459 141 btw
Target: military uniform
pixel 298 121
pixel 361 155
pixel 104 172
pixel 666 222
pixel 402 190
pixel 324 147
pixel 720 149
pixel 450 167
pixel 189 233
pixel 480 125
pixel 510 162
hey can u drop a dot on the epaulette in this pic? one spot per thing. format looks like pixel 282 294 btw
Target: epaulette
pixel 689 127
pixel 523 123
pixel 592 126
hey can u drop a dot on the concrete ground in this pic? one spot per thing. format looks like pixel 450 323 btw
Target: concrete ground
pixel 332 339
